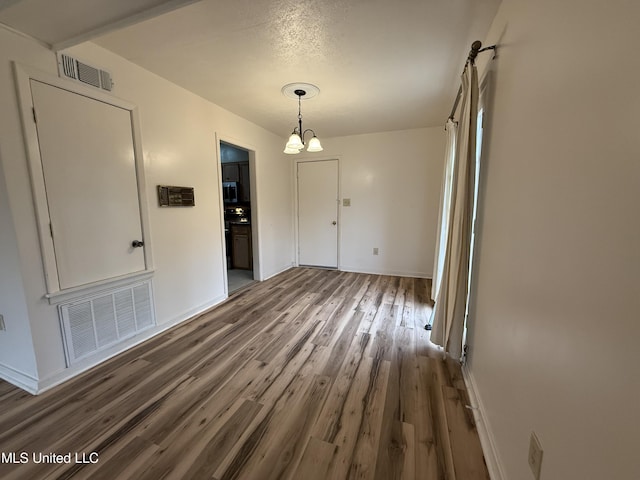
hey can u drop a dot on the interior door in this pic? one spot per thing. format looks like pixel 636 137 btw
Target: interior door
pixel 88 162
pixel 318 213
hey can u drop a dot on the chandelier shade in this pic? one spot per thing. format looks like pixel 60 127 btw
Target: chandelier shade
pixel 296 144
pixel 314 145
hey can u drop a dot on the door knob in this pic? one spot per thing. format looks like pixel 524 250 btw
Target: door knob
pixel 137 244
pixel 334 223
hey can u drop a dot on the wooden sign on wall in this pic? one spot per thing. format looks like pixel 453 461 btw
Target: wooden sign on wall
pixel 171 196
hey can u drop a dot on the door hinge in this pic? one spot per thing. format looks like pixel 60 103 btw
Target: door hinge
pixel 51 229
pixel 35 119
pixel 465 354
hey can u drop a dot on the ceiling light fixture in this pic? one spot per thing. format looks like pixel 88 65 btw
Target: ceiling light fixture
pixel 296 140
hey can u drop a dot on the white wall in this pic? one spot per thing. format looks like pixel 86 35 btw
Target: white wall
pixel 17 357
pixel 555 302
pixel 179 146
pixel 18 235
pixel 393 180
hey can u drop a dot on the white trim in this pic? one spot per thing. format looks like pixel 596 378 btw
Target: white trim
pixel 19 379
pixel 145 222
pixel 395 273
pixel 9 28
pixel 97 287
pixel 223 237
pixel 127 20
pixel 23 76
pixel 491 456
pixel 90 362
pixel 256 237
pixel 256 240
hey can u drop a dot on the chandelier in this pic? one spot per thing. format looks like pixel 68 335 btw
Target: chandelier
pixel 296 144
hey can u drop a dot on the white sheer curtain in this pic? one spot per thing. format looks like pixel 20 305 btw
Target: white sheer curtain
pixel 445 203
pixel 451 298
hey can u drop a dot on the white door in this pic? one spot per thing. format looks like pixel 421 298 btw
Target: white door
pixel 88 162
pixel 318 213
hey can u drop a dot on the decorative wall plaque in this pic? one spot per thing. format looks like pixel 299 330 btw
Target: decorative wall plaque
pixel 171 196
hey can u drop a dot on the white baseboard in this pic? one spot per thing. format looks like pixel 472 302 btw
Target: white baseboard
pixel 90 362
pixel 492 459
pixel 19 379
pixel 278 272
pixel 395 273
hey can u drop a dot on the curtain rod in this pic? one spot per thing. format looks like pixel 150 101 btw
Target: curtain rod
pixel 476 48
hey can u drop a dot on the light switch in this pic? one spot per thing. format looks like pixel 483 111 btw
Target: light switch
pixel 346 202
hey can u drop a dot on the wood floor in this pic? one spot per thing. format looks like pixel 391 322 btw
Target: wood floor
pixel 313 374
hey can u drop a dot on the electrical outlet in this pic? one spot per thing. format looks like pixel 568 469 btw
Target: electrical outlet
pixel 375 250
pixel 346 202
pixel 2 326
pixel 535 456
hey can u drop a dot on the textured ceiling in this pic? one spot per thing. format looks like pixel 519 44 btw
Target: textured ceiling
pixel 380 65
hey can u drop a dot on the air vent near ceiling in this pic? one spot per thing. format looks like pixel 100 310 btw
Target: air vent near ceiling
pixel 75 69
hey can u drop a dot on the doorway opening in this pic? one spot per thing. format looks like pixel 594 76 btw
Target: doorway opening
pixel 236 196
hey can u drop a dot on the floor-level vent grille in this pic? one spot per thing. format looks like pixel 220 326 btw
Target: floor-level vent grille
pixel 77 70
pixel 93 324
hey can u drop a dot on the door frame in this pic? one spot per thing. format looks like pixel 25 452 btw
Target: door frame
pixel 23 76
pixel 255 223
pixel 296 206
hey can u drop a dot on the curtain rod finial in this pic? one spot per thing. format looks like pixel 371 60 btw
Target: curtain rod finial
pixel 475 48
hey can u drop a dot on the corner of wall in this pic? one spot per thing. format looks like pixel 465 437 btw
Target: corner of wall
pixel 19 379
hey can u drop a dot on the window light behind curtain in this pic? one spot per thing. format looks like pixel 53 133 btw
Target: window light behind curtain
pixel 451 299
pixel 445 202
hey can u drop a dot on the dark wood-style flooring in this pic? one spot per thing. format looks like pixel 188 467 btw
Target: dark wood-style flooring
pixel 313 374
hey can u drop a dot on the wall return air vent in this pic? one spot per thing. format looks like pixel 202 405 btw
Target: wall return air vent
pixel 75 69
pixel 90 325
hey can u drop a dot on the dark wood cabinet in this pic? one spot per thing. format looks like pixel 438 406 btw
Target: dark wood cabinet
pixel 238 172
pixel 245 183
pixel 230 172
pixel 241 247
